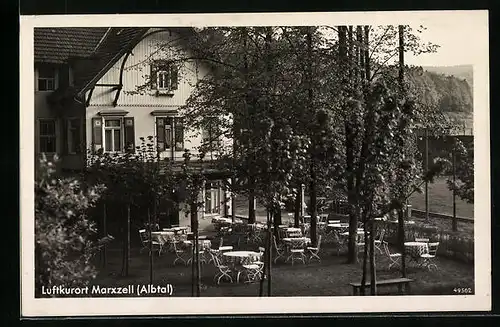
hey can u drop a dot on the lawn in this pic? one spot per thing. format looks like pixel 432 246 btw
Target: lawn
pixel 441 200
pixel 328 278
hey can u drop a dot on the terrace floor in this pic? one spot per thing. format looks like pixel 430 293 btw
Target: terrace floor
pixel 328 278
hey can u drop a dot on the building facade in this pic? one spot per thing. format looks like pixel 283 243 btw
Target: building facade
pixel 104 89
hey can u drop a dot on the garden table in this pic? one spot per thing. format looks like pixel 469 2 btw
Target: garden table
pixel 415 250
pixel 181 229
pixel 360 232
pixel 162 237
pixel 235 259
pixel 307 240
pixel 205 244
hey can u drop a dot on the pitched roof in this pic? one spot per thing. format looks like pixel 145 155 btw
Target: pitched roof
pixel 114 45
pixel 91 51
pixel 56 45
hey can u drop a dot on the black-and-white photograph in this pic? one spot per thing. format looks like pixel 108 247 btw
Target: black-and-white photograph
pixel 245 159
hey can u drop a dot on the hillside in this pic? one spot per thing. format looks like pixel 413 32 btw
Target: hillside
pixel 444 90
pixel 460 72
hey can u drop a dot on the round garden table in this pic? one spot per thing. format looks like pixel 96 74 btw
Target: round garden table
pixel 415 250
pixel 204 244
pixel 162 236
pixel 240 257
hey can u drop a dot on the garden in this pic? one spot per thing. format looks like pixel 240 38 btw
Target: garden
pixel 343 128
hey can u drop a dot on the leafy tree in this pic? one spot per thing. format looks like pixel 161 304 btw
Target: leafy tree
pixel 136 178
pixel 65 238
pixel 464 170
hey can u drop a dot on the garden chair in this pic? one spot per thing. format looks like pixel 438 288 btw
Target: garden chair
pixel 201 253
pixel 314 251
pixel 255 235
pixel 378 242
pixel 145 242
pixel 430 256
pixel 180 252
pixel 279 249
pixel 395 258
pixel 424 240
pixel 223 271
pixel 253 270
pixel 297 252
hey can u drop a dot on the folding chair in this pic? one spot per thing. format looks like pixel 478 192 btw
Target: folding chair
pixel 430 256
pixel 395 258
pixel 180 252
pixel 223 271
pixel 145 242
pixel 379 240
pixel 279 249
pixel 314 251
pixel 297 251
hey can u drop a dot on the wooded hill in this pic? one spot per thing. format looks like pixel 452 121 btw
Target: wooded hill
pixel 459 71
pixel 449 93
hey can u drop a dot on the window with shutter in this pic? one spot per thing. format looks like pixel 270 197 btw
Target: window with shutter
pixel 170 133
pixel 113 135
pixel 164 77
pixel 129 131
pixel 179 134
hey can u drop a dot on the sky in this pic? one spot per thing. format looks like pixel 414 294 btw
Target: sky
pixel 456 39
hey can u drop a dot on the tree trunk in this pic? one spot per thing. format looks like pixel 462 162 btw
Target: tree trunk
pixel 127 242
pixel 313 203
pixel 269 256
pixel 401 234
pixel 298 203
pixel 367 53
pixel 352 252
pixel 454 220
pixel 266 254
pixel 312 184
pixel 233 200
pixel 251 206
pixel 365 256
pixel 150 248
pixel 277 218
pixel 194 265
pixel 198 263
pixel 373 270
pixel 105 233
pixel 346 61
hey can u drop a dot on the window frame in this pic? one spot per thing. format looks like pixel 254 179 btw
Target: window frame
pixel 55 79
pixel 40 135
pixel 69 127
pixel 167 69
pixel 214 143
pixel 173 133
pixel 167 79
pixel 121 128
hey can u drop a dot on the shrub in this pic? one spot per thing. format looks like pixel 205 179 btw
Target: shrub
pixel 64 235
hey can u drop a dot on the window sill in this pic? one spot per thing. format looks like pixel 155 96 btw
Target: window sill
pixel 164 93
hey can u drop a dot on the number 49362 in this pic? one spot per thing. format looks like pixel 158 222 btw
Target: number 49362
pixel 462 290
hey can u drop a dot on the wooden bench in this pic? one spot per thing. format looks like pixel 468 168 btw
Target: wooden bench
pixel 400 282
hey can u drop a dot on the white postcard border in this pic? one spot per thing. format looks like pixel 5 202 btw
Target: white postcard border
pixel 481 301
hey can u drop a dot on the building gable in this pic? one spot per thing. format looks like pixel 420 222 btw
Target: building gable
pixel 132 72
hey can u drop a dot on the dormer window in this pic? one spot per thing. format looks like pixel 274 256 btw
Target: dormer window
pixel 164 77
